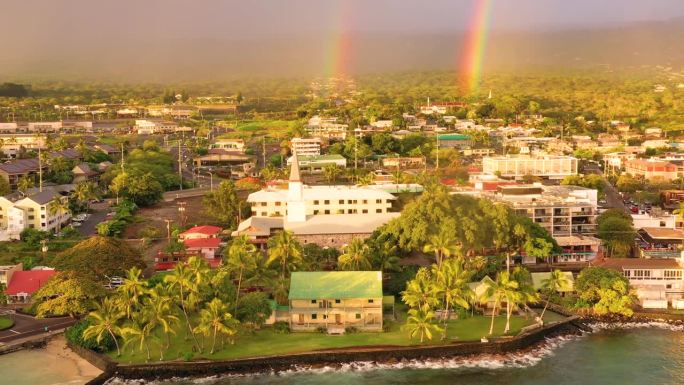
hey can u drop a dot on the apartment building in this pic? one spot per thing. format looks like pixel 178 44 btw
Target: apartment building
pixel 654 169
pixel 327 128
pixel 149 127
pixel 10 145
pixel 306 146
pixel 517 166
pixel 44 126
pixel 237 145
pixel 32 212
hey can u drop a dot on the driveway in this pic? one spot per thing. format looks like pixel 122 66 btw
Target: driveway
pixel 98 215
pixel 27 326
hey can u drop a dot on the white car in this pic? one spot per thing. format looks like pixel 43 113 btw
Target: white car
pixel 76 224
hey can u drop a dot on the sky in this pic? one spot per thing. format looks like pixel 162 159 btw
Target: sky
pixel 61 32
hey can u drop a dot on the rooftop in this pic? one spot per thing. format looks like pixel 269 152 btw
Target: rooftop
pixel 205 230
pixel 336 285
pixel 340 223
pixel 663 233
pixel 311 193
pixel 639 263
pixel 198 243
pixel 28 281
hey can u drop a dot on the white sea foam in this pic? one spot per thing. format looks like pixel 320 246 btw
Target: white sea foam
pixel 522 359
pixel 598 326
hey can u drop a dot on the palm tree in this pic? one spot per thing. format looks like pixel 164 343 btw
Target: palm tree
pixel 240 257
pixel 24 184
pixel 332 172
pixel 105 320
pixel 132 291
pixel 284 250
pixel 356 256
pixel 181 279
pixel 451 280
pixel 260 274
pixel 58 208
pixel 554 283
pixel 84 192
pixel 520 293
pixel 420 292
pixel 138 331
pixel 214 319
pixel 444 245
pixel 498 290
pixel 419 322
pixel 281 287
pixel 366 180
pixel 160 315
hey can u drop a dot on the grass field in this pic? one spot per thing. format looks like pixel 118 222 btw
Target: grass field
pixel 5 323
pixel 266 342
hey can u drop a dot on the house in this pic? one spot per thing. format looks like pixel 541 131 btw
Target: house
pixel 237 145
pixel 652 169
pixel 404 162
pixel 16 169
pixel 220 156
pixel 207 248
pixel 659 282
pixel 25 283
pixel 7 271
pixel 538 280
pixel 458 141
pixel 659 242
pixel 44 126
pixel 83 172
pixel 107 149
pixel 576 248
pixel 550 167
pixel 200 232
pixel 335 300
pixel 316 163
pixel 37 213
pixel 149 127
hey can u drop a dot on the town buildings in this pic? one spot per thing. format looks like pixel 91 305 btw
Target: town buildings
pixel 515 167
pixel 31 212
pixel 24 284
pixel 336 300
pixel 458 141
pixel 316 163
pixel 327 128
pixel 654 169
pixel 150 127
pixel 306 146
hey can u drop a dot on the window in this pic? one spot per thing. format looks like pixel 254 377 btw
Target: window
pixel 349 201
pixel 314 316
pixel 370 301
pixel 338 301
pixel 316 212
pixel 378 211
pixel 42 215
pixel 378 201
pixel 325 316
pixel 316 202
pixel 364 211
pixel 277 213
pixel 327 202
pixel 264 213
pixel 358 316
pixel 365 201
pixel 277 204
pixel 263 204
pixel 341 201
pixel 31 217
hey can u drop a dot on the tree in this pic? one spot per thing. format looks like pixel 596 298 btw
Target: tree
pixel 240 257
pixel 283 249
pixel 629 184
pixel 138 331
pixel 24 184
pixel 616 231
pixel 384 253
pixel 331 173
pixel 419 323
pixel 181 280
pixel 592 181
pixel 105 320
pixel 132 291
pixel 253 309
pixel 420 292
pixel 503 288
pixel 84 192
pixel 443 244
pixel 556 282
pixel 451 280
pixel 356 256
pixel 5 187
pixel 521 295
pixel 223 204
pixel 160 315
pixel 67 293
pixel 215 319
pixel 99 257
pixel 605 291
pixel 58 208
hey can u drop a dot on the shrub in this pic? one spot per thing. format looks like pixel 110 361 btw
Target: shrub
pixel 74 335
pixel 351 330
pixel 322 330
pixel 187 356
pixel 281 327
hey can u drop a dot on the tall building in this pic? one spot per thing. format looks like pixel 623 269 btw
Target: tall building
pixel 306 146
pixel 512 166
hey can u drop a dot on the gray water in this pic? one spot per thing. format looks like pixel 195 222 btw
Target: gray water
pixel 645 355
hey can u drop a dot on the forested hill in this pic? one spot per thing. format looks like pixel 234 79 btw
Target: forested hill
pixel 214 58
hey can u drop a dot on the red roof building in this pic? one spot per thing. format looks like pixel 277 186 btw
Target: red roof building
pixel 25 283
pixel 200 232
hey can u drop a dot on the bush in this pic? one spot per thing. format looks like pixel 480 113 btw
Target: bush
pixel 387 326
pixel 322 330
pixel 74 335
pixel 187 356
pixel 281 327
pixel 351 330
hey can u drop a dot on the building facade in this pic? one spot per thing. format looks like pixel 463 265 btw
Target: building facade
pixel 306 146
pixel 551 167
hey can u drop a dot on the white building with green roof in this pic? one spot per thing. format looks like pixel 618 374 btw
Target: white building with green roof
pixel 336 300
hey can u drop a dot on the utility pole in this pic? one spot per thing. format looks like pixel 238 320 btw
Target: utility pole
pixel 168 229
pixel 437 163
pixel 263 152
pixel 180 165
pixel 181 213
pixel 40 171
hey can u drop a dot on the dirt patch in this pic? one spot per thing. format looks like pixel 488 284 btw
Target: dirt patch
pixel 157 215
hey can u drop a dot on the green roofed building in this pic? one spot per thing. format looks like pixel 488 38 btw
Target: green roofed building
pixel 454 141
pixel 336 300
pixel 316 163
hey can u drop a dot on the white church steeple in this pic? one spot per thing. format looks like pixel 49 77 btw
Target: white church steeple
pixel 296 207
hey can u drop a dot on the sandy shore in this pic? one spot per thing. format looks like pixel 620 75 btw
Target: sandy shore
pixel 53 365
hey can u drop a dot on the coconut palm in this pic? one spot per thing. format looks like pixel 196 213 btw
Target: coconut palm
pixel 499 290
pixel 241 255
pixel 132 291
pixel 283 249
pixel 260 274
pixel 520 294
pixel 215 319
pixel 58 208
pixel 356 256
pixel 84 192
pixel 160 315
pixel 444 244
pixel 281 288
pixel 451 281
pixel 138 331
pixel 332 172
pixel 419 323
pixel 24 184
pixel 105 320
pixel 420 292
pixel 554 283
pixel 180 280
pixel 366 180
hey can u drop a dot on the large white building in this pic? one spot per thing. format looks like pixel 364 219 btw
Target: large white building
pixel 326 215
pixel 327 128
pixel 517 166
pixel 306 146
pixel 149 127
pixel 32 212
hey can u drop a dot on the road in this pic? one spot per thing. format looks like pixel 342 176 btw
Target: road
pixel 27 326
pixel 613 198
pixel 98 215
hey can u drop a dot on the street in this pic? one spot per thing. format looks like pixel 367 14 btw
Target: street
pixel 98 215
pixel 26 326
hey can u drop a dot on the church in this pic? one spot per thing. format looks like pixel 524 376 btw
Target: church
pixel 330 216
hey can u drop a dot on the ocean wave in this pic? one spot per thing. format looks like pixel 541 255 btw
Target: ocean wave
pixel 599 326
pixel 521 359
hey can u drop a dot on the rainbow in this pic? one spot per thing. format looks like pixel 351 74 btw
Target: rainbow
pixel 475 45
pixel 339 49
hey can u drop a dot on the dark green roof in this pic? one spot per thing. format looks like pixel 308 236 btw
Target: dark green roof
pixel 453 137
pixel 336 285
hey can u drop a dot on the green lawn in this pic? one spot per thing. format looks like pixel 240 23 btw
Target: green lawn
pixel 5 323
pixel 266 342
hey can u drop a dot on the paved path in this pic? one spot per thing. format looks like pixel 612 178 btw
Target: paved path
pixel 28 326
pixel 97 216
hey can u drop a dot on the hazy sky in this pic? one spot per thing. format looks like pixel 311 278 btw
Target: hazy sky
pixel 125 36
